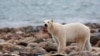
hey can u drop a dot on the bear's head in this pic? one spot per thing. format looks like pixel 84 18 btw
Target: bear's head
pixel 48 23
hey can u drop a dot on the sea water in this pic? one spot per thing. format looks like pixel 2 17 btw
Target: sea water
pixel 32 12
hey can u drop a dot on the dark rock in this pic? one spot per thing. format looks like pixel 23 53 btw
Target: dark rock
pixel 27 29
pixel 94 30
pixel 95 37
pixel 99 30
pixel 93 25
pixel 98 44
pixel 22 44
pixel 63 23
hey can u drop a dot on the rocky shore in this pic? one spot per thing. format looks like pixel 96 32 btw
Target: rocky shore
pixel 36 41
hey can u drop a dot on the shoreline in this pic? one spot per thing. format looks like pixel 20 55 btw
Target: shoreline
pixel 34 25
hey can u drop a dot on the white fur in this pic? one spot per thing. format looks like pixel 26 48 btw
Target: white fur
pixel 73 32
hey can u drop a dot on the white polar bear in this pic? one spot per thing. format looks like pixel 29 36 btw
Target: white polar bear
pixel 73 32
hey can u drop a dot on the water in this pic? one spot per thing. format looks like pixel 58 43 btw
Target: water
pixel 15 13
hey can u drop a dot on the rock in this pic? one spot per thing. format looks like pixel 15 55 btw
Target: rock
pixel 5 30
pixel 97 44
pixel 42 35
pixel 70 49
pixel 95 49
pixel 46 55
pixel 27 29
pixel 93 25
pixel 83 53
pixel 36 41
pixel 39 50
pixel 36 51
pixel 19 32
pixel 94 30
pixel 7 46
pixel 95 37
pixel 50 47
pixel 37 28
pixel 28 40
pixel 2 40
pixel 42 44
pixel 39 40
pixel 32 45
pixel 23 44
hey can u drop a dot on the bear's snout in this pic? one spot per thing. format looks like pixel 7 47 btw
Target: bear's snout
pixel 45 25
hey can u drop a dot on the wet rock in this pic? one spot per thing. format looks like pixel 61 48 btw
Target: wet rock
pixel 27 29
pixel 5 30
pixel 63 23
pixel 37 28
pixel 93 25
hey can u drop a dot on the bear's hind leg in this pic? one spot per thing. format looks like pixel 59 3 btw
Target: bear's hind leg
pixel 81 45
pixel 88 45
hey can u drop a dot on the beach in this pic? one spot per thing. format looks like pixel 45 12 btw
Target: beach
pixel 35 41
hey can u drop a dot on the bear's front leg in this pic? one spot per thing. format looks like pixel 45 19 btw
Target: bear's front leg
pixel 61 46
pixel 55 40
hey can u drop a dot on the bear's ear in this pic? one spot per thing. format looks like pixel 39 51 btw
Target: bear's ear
pixel 51 20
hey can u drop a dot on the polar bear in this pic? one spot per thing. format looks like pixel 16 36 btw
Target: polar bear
pixel 72 32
